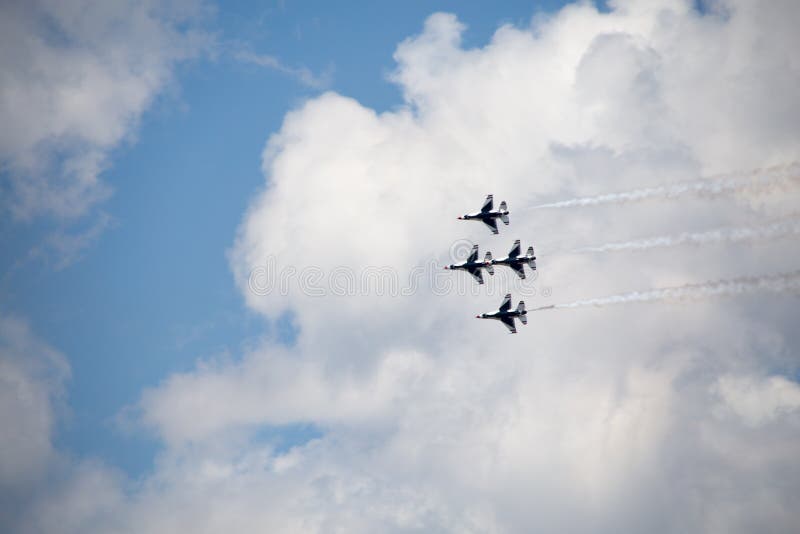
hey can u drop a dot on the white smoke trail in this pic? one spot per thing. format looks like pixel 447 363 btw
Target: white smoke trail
pixel 775 230
pixel 756 181
pixel 776 283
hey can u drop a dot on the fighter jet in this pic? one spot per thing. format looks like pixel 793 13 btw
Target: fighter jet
pixel 515 261
pixel 488 215
pixel 473 266
pixel 507 315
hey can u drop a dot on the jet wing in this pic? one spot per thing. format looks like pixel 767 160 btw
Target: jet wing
pixel 491 223
pixel 519 269
pixel 474 254
pixel 509 322
pixel 514 252
pixel 506 303
pixel 488 204
pixel 476 273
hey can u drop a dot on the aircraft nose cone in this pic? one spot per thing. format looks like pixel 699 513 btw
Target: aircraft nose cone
pixel 477 316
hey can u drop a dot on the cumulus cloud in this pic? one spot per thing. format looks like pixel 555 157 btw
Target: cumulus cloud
pixel 623 419
pixel 77 77
pixel 580 423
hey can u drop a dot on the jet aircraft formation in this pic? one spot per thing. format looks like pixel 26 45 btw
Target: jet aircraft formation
pixel 489 216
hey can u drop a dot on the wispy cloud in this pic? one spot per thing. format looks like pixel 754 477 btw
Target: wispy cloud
pixel 67 247
pixel 74 87
pixel 64 246
pixel 304 75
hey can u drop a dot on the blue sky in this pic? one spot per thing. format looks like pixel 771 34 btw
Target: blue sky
pixel 662 134
pixel 154 293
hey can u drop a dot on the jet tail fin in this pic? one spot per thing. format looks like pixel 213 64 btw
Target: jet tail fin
pixel 504 212
pixel 521 306
pixel 487 262
pixel 524 319
pixel 531 258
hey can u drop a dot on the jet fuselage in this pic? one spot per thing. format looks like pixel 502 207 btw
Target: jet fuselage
pixel 468 265
pixel 499 314
pixel 513 260
pixel 484 215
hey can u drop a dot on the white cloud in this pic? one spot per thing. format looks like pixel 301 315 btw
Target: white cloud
pixel 32 379
pixel 759 400
pixel 77 77
pixel 295 391
pixel 581 422
pixel 592 420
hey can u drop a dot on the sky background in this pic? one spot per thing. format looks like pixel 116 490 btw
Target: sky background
pixel 153 291
pixel 154 154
